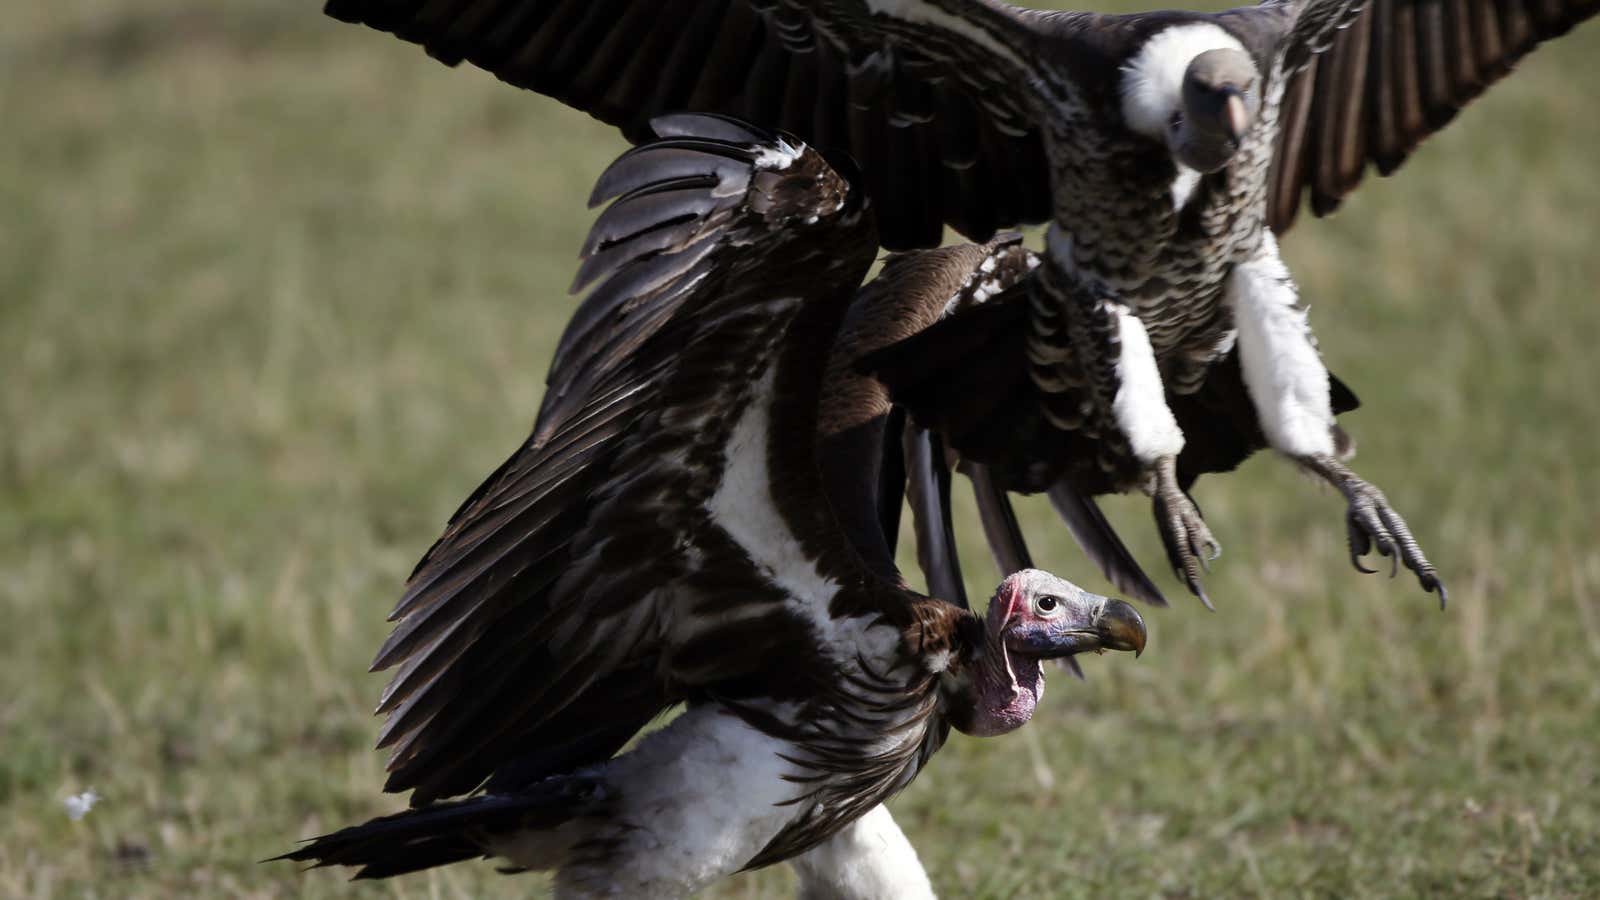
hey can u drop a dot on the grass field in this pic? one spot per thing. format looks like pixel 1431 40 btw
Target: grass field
pixel 275 293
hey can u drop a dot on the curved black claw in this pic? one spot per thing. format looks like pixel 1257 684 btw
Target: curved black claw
pixel 1360 544
pixel 1371 523
pixel 1189 544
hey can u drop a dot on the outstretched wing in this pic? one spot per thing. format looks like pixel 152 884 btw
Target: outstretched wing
pixel 1371 79
pixel 578 591
pixel 931 114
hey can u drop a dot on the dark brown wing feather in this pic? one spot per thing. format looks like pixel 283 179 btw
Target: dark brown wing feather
pixel 532 637
pixel 999 521
pixel 966 377
pixel 825 70
pixel 1393 73
pixel 928 492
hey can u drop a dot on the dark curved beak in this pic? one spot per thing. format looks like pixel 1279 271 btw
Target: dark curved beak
pixel 1121 627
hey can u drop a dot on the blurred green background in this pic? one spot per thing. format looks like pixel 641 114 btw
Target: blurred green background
pixel 276 292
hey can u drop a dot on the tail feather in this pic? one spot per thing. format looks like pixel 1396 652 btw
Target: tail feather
pixel 447 832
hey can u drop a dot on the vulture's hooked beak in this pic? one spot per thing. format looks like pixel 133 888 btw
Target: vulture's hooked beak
pixel 1235 113
pixel 1121 627
pixel 1116 626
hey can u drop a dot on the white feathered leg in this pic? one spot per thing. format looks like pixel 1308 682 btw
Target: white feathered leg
pixel 869 860
pixel 1288 385
pixel 1278 354
pixel 1142 413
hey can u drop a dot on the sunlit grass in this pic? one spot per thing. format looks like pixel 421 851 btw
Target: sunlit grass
pixel 276 292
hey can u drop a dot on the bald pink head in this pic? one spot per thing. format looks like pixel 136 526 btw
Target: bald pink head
pixel 1035 616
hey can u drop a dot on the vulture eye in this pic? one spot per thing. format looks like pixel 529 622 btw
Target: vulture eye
pixel 1046 604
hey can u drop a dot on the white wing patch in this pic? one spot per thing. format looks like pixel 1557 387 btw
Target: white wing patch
pixel 744 507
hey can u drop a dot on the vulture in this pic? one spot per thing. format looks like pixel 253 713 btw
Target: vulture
pixel 697 521
pixel 1165 150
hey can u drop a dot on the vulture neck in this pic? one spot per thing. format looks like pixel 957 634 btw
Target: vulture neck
pixel 997 691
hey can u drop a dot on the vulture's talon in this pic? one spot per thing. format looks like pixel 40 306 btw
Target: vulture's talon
pixel 1373 528
pixel 1411 554
pixel 1184 534
pixel 1360 544
pixel 1372 524
pixel 1197 552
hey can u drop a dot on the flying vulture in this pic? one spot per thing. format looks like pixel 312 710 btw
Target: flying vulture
pixel 696 520
pixel 1165 149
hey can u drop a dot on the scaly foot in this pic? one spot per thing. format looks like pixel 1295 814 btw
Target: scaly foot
pixel 1371 523
pixel 1190 546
